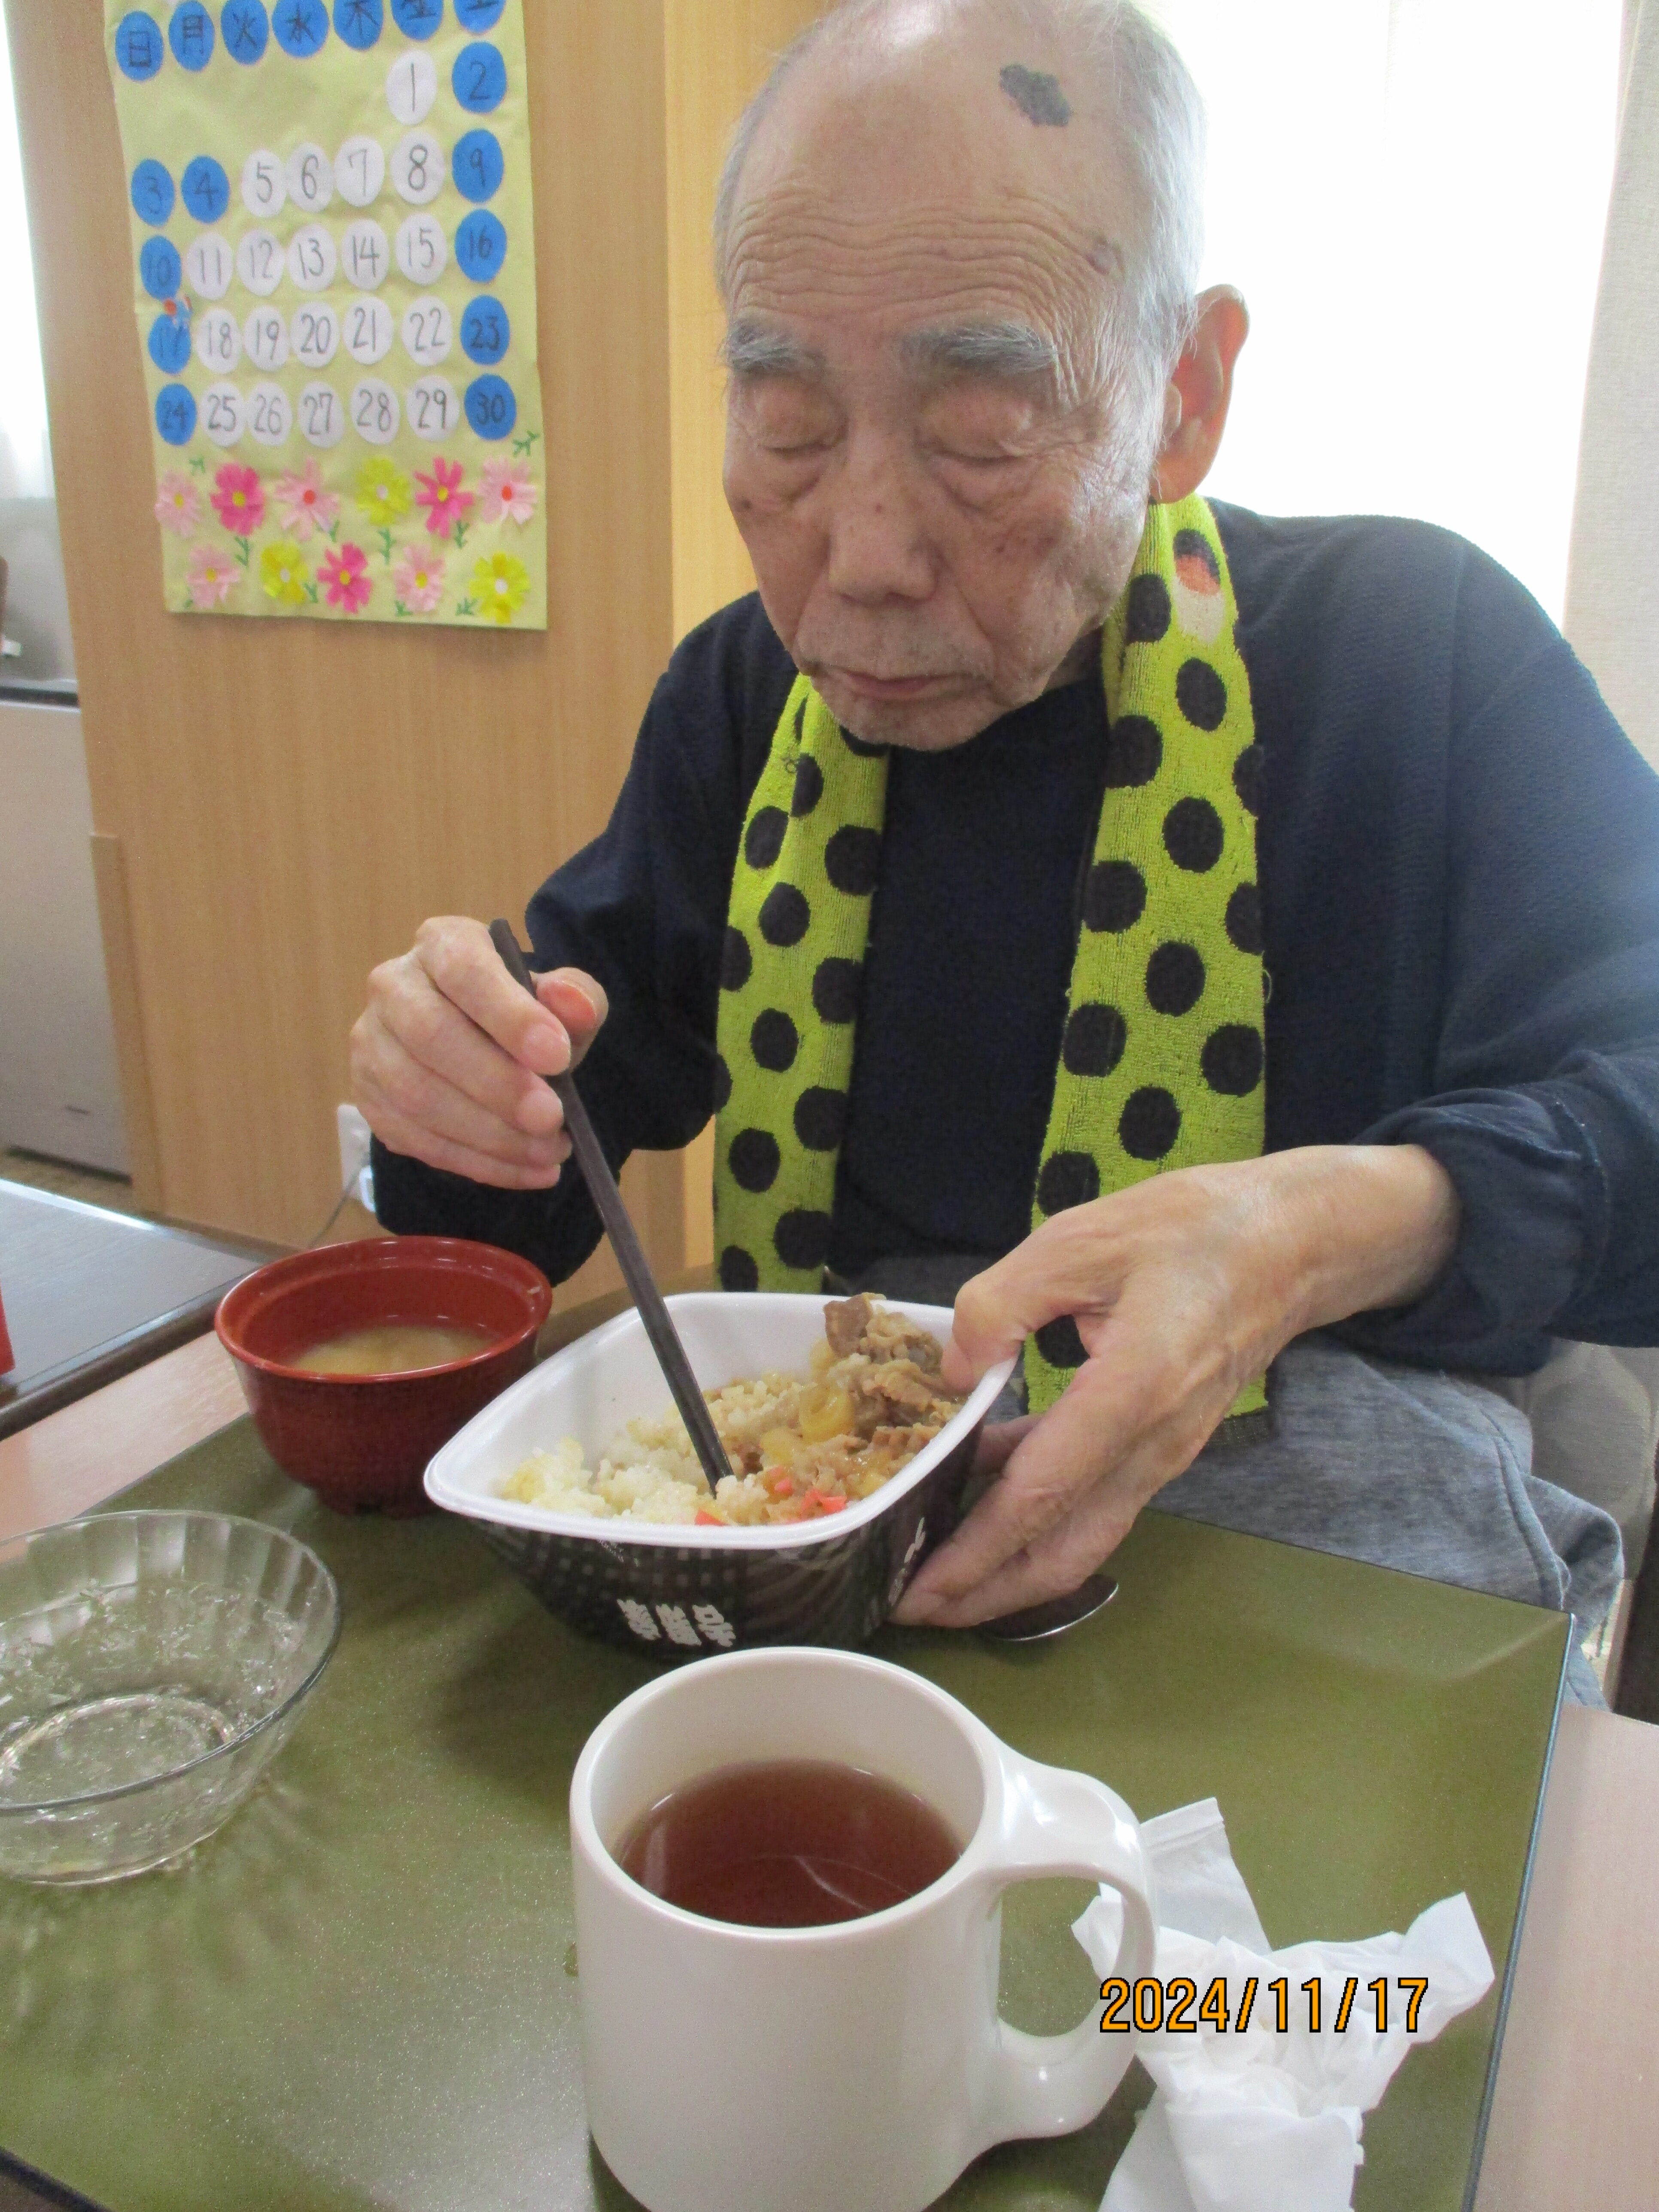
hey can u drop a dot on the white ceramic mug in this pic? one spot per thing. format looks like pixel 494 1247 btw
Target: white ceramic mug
pixel 731 2069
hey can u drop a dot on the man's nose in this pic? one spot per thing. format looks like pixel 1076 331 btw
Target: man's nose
pixel 878 549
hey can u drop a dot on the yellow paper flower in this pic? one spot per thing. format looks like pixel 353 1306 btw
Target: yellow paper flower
pixel 283 573
pixel 500 584
pixel 383 492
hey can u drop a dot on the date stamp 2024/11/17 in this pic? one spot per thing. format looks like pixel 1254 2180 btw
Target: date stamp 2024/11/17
pixel 1149 2006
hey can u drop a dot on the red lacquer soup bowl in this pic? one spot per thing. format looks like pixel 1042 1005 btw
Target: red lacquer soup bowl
pixel 364 1440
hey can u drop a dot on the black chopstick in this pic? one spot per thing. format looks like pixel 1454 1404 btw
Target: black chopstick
pixel 625 1243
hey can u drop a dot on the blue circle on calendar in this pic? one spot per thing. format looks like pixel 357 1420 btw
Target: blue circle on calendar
pixel 479 14
pixel 152 191
pixel 246 28
pixel 486 332
pixel 490 407
pixel 479 78
pixel 138 49
pixel 159 269
pixel 477 164
pixel 175 414
pixel 481 246
pixel 360 22
pixel 301 27
pixel 206 189
pixel 169 344
pixel 418 19
pixel 190 35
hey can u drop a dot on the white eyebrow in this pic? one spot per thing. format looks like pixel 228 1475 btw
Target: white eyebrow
pixel 1006 350
pixel 750 350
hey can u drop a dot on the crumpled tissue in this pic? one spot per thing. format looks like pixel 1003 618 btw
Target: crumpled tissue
pixel 1261 2122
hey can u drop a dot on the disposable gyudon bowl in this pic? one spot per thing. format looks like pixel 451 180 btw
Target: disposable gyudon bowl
pixel 680 1592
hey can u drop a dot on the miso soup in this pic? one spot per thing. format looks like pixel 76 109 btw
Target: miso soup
pixel 391 1347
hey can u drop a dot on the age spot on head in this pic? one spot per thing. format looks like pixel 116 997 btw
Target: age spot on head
pixel 1037 95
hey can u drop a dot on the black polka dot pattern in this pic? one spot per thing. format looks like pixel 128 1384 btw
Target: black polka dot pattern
pixel 1147 617
pixel 857 745
pixel 737 962
pixel 1059 1343
pixel 1244 919
pixel 775 1040
pixel 1247 779
pixel 1114 896
pixel 1134 752
pixel 1068 1179
pixel 785 918
pixel 809 786
pixel 820 1118
pixel 836 986
pixel 1175 979
pixel 801 1238
pixel 1193 545
pixel 1149 1124
pixel 739 1270
pixel 763 839
pixel 1231 1060
pixel 852 860
pixel 1201 695
pixel 1094 1040
pixel 755 1159
pixel 722 1084
pixel 1193 836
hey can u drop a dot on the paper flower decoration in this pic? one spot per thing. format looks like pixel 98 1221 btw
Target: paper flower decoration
pixel 213 576
pixel 382 492
pixel 303 505
pixel 441 495
pixel 506 492
pixel 501 583
pixel 238 499
pixel 178 504
pixel 283 573
pixel 341 572
pixel 417 581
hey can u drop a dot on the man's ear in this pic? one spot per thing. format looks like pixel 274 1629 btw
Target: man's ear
pixel 1198 394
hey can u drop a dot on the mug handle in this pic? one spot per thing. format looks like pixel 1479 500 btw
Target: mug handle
pixel 1058 1822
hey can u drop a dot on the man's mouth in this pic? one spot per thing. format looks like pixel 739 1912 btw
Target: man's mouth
pixel 888 687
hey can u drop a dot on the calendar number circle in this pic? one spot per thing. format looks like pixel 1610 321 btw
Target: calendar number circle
pixel 310 176
pixel 153 193
pixel 491 408
pixel 210 265
pixel 479 165
pixel 223 417
pixel 205 189
pixel 359 172
pixel 159 269
pixel 260 262
pixel 169 344
pixel 138 53
pixel 374 411
pixel 418 19
pixel 411 86
pixel 264 183
pixel 481 247
pixel 365 256
pixel 479 14
pixel 433 409
pixel 311 258
pixel 486 332
pixel 314 333
pixel 479 79
pixel 322 415
pixel 190 35
pixel 428 332
pixel 423 249
pixel 360 22
pixel 175 414
pixel 218 340
pixel 417 168
pixel 265 336
pixel 302 27
pixel 270 413
pixel 246 28
pixel 367 330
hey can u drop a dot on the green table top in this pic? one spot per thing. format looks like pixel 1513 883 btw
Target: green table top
pixel 362 1992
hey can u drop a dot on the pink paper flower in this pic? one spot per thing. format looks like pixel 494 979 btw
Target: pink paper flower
pixel 303 505
pixel 238 499
pixel 341 572
pixel 213 576
pixel 441 495
pixel 417 581
pixel 178 504
pixel 507 492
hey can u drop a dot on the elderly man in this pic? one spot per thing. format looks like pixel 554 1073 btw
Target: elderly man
pixel 956 871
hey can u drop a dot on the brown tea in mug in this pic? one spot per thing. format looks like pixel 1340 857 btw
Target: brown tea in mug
pixel 788 1843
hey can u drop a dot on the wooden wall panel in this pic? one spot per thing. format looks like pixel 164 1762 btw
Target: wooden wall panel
pixel 290 799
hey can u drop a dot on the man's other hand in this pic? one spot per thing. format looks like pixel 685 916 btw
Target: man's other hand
pixel 448 1056
pixel 1183 1288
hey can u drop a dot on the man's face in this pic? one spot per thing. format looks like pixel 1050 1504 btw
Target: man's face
pixel 920 452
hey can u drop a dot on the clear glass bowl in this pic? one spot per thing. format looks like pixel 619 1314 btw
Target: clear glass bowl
pixel 151 1665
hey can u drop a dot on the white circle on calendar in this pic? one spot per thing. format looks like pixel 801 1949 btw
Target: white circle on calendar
pixel 360 171
pixel 264 184
pixel 374 411
pixel 322 415
pixel 365 256
pixel 411 86
pixel 210 263
pixel 217 340
pixel 260 262
pixel 222 419
pixel 368 329
pixel 428 332
pixel 418 168
pixel 270 414
pixel 265 336
pixel 423 249
pixel 315 333
pixel 311 259
pixel 310 179
pixel 434 409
